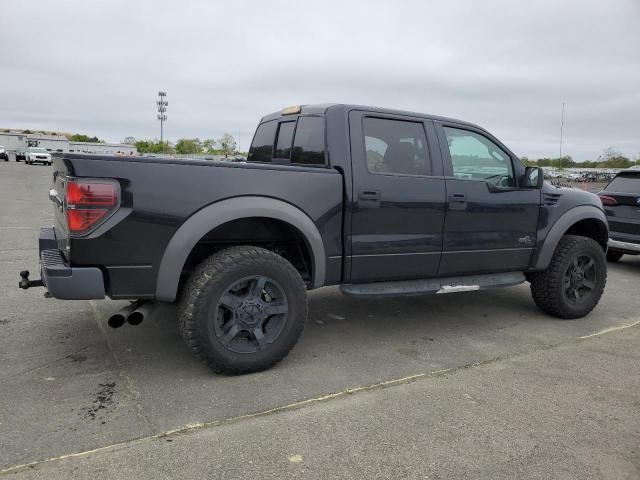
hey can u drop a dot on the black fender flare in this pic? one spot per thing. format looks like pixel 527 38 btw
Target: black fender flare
pixel 216 214
pixel 569 218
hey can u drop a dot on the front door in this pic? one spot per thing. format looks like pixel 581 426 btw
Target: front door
pixel 399 193
pixel 491 223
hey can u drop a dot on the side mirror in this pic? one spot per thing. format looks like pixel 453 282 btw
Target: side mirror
pixel 533 177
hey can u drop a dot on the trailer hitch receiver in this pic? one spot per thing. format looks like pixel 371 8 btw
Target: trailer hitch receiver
pixel 26 283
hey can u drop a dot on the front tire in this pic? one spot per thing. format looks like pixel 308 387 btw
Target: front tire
pixel 613 256
pixel 243 309
pixel 574 281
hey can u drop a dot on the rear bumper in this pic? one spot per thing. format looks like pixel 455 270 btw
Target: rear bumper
pixel 62 281
pixel 626 247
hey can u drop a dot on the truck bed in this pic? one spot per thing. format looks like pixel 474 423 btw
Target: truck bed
pixel 159 194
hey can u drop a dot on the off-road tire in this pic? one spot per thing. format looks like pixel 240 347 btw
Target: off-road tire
pixel 547 286
pixel 209 282
pixel 613 256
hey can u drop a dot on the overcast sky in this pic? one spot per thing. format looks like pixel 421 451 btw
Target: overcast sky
pixel 95 67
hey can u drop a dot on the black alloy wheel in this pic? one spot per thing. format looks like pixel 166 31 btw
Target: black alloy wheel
pixel 250 315
pixel 579 280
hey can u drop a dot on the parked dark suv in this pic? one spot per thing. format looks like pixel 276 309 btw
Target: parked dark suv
pixel 621 201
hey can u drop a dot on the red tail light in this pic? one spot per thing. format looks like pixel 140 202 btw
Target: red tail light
pixel 89 203
pixel 82 192
pixel 82 220
pixel 609 201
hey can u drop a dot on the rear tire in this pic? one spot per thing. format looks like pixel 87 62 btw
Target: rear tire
pixel 613 256
pixel 574 281
pixel 243 309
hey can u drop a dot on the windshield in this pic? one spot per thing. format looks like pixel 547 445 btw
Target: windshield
pixel 37 150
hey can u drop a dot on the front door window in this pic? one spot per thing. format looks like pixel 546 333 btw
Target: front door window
pixel 475 157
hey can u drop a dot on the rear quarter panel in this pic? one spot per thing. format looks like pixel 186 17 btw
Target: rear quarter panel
pixel 159 196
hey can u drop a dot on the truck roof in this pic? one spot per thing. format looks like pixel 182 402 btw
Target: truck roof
pixel 322 108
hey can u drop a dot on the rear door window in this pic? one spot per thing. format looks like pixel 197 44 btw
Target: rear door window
pixel 396 147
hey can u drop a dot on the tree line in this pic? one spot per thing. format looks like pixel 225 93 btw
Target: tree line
pixel 225 145
pixel 610 158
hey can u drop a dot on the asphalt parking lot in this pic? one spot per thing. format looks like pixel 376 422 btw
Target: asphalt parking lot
pixel 469 385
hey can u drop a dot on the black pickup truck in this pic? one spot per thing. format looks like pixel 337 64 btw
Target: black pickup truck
pixel 380 202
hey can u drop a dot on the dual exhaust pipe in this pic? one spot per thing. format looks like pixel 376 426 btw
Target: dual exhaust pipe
pixel 133 314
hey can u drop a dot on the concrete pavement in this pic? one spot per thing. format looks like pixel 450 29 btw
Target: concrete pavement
pixel 70 384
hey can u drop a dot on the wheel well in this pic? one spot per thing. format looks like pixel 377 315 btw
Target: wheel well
pixel 590 228
pixel 269 233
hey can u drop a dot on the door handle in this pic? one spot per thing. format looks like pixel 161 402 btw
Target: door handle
pixel 369 199
pixel 457 201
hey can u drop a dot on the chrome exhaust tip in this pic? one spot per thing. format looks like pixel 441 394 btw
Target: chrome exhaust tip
pixel 142 311
pixel 117 319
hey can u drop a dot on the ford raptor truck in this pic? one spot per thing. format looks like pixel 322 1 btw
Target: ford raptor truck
pixel 380 202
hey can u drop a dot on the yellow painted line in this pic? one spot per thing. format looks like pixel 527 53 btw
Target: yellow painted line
pixel 609 330
pixel 292 406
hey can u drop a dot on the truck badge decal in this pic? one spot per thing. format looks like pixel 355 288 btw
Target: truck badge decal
pixel 528 240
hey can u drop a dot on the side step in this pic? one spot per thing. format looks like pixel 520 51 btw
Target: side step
pixel 433 285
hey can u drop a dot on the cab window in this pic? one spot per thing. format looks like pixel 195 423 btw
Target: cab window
pixel 475 157
pixel 285 140
pixel 308 144
pixel 297 142
pixel 262 145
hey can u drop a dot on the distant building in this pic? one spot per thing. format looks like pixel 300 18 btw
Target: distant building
pixel 103 148
pixel 18 140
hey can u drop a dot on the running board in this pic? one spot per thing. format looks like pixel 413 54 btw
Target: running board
pixel 433 285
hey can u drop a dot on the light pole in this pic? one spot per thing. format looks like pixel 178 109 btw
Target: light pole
pixel 162 108
pixel 561 127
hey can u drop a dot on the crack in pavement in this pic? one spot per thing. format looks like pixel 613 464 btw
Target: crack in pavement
pixel 186 429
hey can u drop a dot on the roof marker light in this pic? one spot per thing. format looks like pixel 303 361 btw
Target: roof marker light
pixel 292 110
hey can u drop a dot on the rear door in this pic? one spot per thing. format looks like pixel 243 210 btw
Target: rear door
pixel 491 223
pixel 399 193
pixel 623 213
